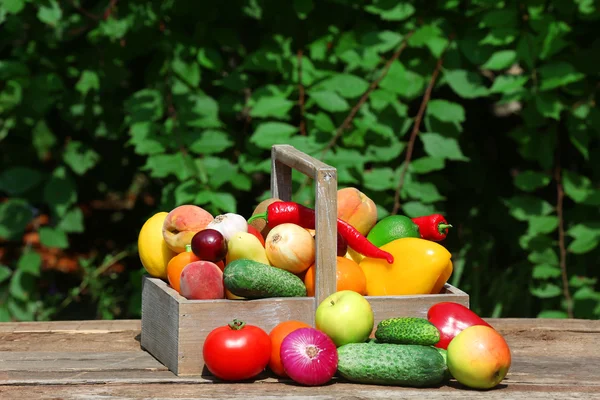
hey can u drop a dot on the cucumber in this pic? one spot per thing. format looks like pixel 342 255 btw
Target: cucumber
pixel 444 354
pixel 407 330
pixel 391 364
pixel 254 280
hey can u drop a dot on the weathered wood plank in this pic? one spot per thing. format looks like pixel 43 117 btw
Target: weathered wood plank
pixel 278 391
pixel 93 326
pixel 73 340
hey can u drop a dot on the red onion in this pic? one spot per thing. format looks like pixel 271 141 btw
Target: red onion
pixel 309 356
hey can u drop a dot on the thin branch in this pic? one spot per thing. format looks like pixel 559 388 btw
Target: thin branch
pixel 84 11
pixel 348 120
pixel 301 95
pixel 111 6
pixel 560 194
pixel 415 131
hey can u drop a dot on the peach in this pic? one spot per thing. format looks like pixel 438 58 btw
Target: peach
pixel 182 223
pixel 201 280
pixel 357 209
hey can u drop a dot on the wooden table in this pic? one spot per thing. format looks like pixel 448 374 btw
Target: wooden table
pixel 552 359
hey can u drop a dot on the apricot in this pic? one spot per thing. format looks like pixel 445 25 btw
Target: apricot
pixel 357 209
pixel 182 223
pixel 201 280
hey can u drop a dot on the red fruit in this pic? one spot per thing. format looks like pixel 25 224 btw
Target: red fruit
pixel 209 245
pixel 256 233
pixel 342 245
pixel 451 319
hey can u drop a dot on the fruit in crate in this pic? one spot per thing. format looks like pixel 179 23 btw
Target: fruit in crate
pixel 229 224
pixel 261 224
pixel 479 357
pixel 152 248
pixel 349 276
pixel 182 223
pixel 255 232
pixel 177 264
pixel 245 245
pixel 391 228
pixel 277 335
pixel 418 264
pixel 346 317
pixel 255 280
pixel 357 209
pixel 209 245
pixel 290 247
pixel 202 280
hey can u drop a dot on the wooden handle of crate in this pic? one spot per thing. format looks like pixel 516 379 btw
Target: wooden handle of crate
pixel 285 157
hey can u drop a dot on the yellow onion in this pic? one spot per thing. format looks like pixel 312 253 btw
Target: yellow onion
pixel 290 247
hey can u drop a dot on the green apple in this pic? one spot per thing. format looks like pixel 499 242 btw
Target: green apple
pixel 346 317
pixel 479 357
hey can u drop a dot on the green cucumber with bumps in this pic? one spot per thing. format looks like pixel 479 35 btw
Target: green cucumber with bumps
pixel 407 330
pixel 391 364
pixel 254 280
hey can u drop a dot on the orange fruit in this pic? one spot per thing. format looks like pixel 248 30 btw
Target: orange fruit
pixel 349 276
pixel 277 335
pixel 176 265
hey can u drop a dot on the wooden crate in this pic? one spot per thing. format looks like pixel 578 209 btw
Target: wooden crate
pixel 174 328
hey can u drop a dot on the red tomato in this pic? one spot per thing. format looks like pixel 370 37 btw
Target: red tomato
pixel 256 233
pixel 236 351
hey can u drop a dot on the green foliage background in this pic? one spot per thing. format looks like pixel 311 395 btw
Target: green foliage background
pixel 112 110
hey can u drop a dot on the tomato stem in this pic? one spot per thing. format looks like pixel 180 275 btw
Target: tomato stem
pixel 237 324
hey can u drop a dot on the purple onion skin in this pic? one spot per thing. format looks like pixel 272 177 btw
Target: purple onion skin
pixel 309 357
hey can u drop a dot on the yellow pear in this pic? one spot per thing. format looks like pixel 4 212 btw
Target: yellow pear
pixel 152 248
pixel 245 245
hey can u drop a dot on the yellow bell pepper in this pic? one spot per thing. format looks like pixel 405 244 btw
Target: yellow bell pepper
pixel 418 264
pixel 443 278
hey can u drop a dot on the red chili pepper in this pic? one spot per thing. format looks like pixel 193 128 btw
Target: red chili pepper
pixel 432 227
pixel 282 212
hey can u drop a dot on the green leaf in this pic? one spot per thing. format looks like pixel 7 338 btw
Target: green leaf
pixel 329 101
pixel 578 281
pixel 553 41
pixel 51 14
pixel 189 72
pixel 531 180
pixel 446 111
pixel 508 17
pixel 277 107
pixel 210 58
pixel 72 221
pixel 466 84
pixel 21 285
pixel 424 35
pixel 500 60
pixel 5 273
pixel 211 141
pixel 390 10
pixel 80 157
pixel 186 192
pixel 549 105
pixel 379 179
pixel 30 262
pixel 145 139
pixel 577 187
pixel 424 165
pixel 524 208
pixel 439 146
pixel 387 152
pixel 401 81
pixel 423 191
pixel 14 216
pixel 545 271
pixel 225 202
pixel 527 49
pixel 145 105
pixel 51 237
pixel 269 133
pixel 13 6
pixel 113 28
pixel 241 182
pixel 346 85
pixel 163 165
pixel 543 224
pixel 43 139
pixel 557 74
pixel 554 314
pixel 584 244
pixel 18 180
pixel 508 84
pixel 322 122
pixel 414 209
pixel 546 256
pixel 87 81
pixel 546 291
pixel 303 8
